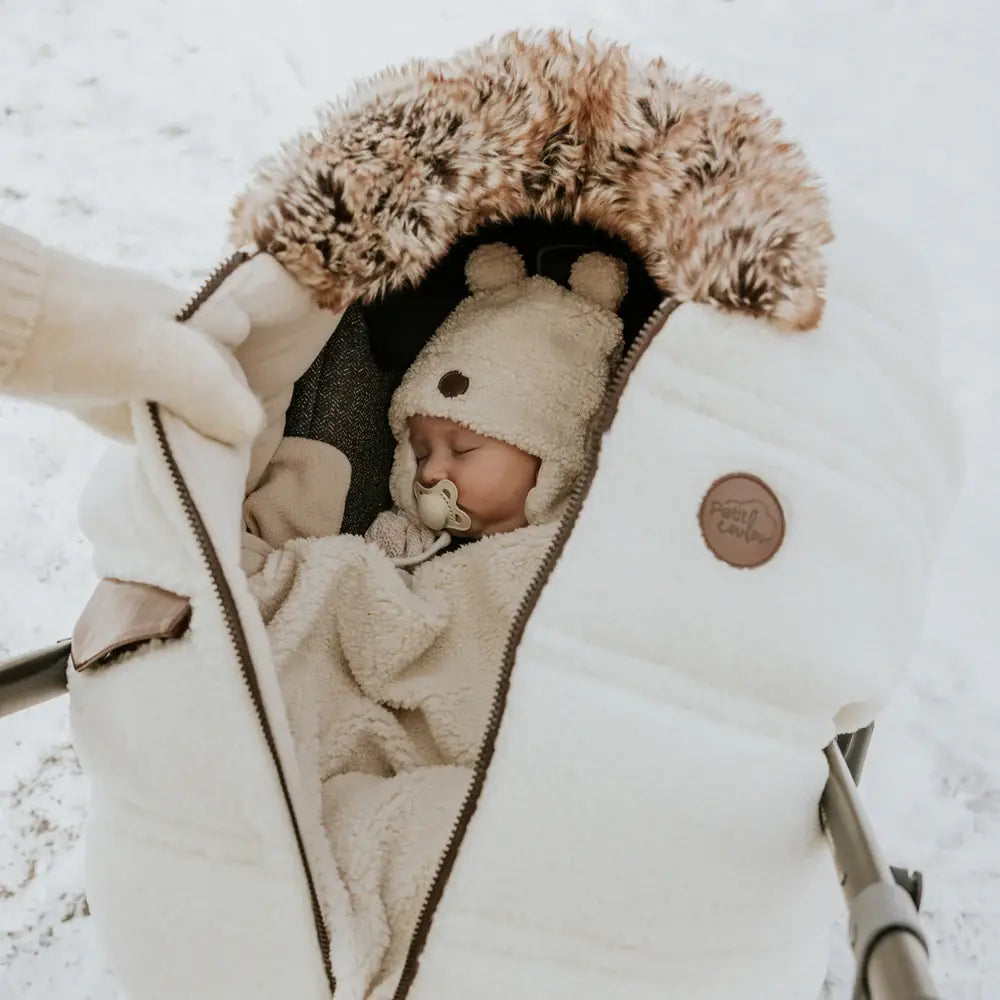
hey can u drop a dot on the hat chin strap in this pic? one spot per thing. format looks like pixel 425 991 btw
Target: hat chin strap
pixel 437 507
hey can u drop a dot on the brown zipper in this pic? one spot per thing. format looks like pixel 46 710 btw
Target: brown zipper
pixel 231 614
pixel 606 415
pixel 603 420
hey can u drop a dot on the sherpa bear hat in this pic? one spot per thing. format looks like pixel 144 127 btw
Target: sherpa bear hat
pixel 522 360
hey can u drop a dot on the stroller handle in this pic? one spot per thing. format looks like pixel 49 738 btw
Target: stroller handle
pixel 884 927
pixel 33 678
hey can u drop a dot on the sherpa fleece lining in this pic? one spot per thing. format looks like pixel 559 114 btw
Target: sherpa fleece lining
pixel 664 673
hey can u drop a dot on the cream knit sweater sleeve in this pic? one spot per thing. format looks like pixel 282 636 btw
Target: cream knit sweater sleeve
pixel 21 276
pixel 93 339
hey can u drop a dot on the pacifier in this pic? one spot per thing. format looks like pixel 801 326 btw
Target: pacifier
pixel 437 507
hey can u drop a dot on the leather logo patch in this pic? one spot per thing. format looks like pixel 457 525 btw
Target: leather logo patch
pixel 453 384
pixel 742 521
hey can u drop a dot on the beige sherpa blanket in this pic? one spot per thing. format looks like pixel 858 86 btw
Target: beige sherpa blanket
pixel 300 494
pixel 388 676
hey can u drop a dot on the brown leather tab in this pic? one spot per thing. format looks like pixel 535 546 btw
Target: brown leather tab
pixel 121 615
pixel 742 521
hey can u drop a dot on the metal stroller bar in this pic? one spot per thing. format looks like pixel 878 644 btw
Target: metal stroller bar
pixel 854 747
pixel 883 925
pixel 33 678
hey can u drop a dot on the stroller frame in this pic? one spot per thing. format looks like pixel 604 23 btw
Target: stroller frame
pixel 882 902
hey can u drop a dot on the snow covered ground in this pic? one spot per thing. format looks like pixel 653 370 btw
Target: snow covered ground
pixel 125 129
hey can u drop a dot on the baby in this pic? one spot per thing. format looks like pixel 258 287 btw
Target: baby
pixel 491 423
pixel 490 420
pixel 493 477
pixel 389 654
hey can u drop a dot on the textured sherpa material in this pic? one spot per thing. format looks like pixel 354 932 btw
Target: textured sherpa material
pixel 696 176
pixel 522 360
pixel 646 817
pixel 301 495
pixel 388 680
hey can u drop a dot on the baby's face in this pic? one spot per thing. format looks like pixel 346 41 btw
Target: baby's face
pixel 493 478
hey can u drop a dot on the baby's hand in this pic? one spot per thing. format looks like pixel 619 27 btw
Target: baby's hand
pixel 399 535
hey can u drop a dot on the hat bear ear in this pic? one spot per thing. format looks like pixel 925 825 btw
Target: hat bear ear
pixel 600 279
pixel 493 266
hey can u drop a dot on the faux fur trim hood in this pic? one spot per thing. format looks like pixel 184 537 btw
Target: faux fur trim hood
pixel 695 176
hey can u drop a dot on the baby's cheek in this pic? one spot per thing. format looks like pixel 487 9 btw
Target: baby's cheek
pixel 472 496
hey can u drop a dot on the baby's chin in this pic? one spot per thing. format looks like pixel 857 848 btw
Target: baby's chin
pixel 502 528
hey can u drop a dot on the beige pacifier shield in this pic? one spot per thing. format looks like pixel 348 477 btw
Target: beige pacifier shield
pixel 742 521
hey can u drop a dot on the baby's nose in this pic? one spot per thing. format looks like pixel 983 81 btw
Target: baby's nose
pixel 434 470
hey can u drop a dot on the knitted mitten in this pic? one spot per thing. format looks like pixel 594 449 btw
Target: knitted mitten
pixel 399 535
pixel 91 339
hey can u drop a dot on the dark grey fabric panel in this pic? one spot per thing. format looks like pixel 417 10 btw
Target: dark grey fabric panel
pixel 343 399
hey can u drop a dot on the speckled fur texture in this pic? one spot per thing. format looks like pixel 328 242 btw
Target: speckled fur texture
pixel 695 176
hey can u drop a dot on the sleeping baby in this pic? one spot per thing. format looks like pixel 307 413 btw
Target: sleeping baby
pixel 389 648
